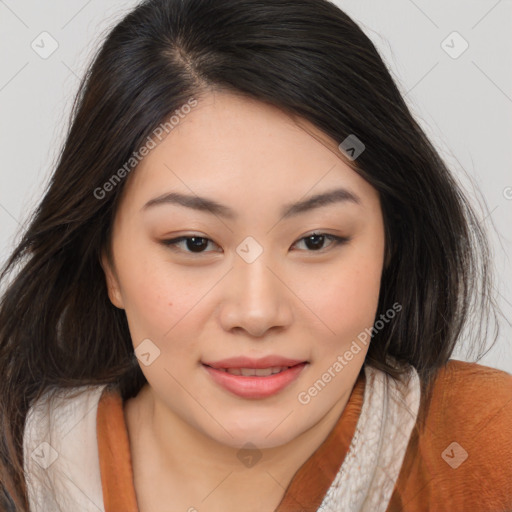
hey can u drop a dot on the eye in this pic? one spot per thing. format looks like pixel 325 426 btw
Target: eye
pixel 197 244
pixel 315 241
pixel 193 244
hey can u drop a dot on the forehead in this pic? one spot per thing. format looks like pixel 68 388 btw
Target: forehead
pixel 232 146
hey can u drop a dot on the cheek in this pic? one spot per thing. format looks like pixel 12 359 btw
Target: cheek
pixel 156 296
pixel 346 298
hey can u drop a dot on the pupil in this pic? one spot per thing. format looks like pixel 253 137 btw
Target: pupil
pixel 315 246
pixel 196 247
pixel 197 243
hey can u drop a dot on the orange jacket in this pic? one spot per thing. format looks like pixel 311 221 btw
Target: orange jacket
pixel 460 461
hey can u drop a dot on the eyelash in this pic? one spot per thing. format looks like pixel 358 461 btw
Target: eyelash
pixel 336 241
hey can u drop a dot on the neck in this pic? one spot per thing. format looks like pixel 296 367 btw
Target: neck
pixel 199 467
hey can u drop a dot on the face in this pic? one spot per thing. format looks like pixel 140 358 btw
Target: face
pixel 251 278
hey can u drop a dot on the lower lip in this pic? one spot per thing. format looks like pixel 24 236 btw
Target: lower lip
pixel 255 387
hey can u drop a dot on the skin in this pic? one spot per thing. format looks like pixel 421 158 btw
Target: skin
pixel 185 431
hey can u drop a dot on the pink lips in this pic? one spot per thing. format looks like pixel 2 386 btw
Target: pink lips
pixel 248 362
pixel 255 386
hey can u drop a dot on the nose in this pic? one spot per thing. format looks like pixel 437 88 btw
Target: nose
pixel 255 299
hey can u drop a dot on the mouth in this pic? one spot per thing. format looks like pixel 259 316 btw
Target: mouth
pixel 255 372
pixel 255 383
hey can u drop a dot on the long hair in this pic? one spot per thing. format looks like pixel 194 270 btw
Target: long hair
pixel 58 328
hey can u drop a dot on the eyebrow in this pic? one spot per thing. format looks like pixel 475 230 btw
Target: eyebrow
pixel 203 204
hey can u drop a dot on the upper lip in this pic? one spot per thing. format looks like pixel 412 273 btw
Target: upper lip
pixel 247 362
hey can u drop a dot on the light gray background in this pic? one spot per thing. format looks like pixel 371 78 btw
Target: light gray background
pixel 463 102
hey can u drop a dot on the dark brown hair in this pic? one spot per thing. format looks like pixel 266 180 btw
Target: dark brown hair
pixel 58 327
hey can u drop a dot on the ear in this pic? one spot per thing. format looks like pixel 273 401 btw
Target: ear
pixel 112 281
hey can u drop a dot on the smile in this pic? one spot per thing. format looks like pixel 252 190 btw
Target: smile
pixel 259 372
pixel 255 383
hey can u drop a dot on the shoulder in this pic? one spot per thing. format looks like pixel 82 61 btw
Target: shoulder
pixel 471 396
pixel 59 406
pixel 61 413
pixel 461 458
pixel 60 439
pixel 471 412
pixel 473 373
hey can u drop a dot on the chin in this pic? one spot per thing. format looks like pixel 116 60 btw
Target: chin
pixel 263 434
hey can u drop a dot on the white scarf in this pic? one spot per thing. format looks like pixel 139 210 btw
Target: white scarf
pixel 367 477
pixel 61 448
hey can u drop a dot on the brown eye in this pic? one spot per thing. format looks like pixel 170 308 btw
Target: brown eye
pixel 197 244
pixel 315 241
pixel 193 244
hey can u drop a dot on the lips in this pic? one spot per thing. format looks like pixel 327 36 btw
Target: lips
pixel 243 362
pixel 255 378
pixel 255 387
pixel 251 372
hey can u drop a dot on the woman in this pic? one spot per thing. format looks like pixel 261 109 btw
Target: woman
pixel 298 358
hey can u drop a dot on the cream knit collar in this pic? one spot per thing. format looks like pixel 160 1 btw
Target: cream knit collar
pixel 62 465
pixel 367 477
